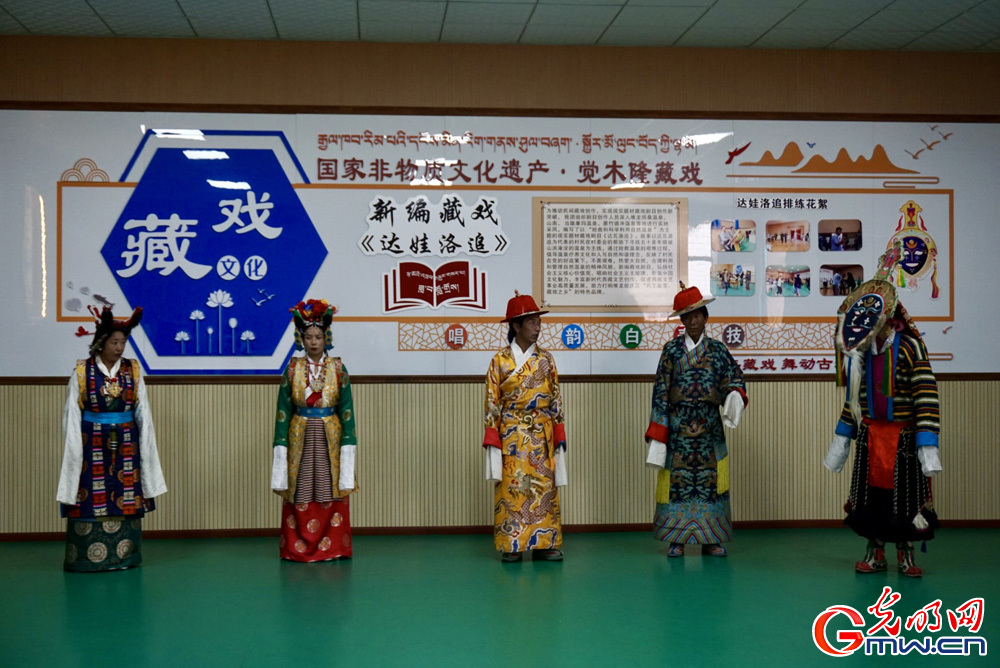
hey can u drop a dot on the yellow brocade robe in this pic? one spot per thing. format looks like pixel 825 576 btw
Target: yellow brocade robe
pixel 524 418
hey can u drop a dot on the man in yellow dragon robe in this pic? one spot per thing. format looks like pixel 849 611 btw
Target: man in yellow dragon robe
pixel 525 440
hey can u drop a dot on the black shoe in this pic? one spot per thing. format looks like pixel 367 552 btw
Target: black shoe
pixel 547 555
pixel 510 557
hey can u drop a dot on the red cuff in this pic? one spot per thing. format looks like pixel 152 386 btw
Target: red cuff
pixel 491 439
pixel 657 432
pixel 743 393
pixel 559 434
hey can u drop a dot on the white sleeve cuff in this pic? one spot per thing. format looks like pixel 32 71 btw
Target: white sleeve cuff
pixel 153 483
pixel 494 463
pixel 562 477
pixel 732 410
pixel 72 463
pixel 279 469
pixel 657 455
pixel 930 460
pixel 346 482
pixel 836 454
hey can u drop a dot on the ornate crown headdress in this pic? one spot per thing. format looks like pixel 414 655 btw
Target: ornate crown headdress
pixel 313 313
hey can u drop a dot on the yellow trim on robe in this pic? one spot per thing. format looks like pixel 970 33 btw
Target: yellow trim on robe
pixel 663 481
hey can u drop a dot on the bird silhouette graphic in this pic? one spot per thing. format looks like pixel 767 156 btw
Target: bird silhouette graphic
pixel 734 153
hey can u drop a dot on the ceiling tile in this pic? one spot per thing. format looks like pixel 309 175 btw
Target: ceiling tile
pixel 869 6
pixel 42 19
pixel 749 13
pixel 992 47
pixel 14 7
pixel 400 31
pixel 144 26
pixel 825 19
pixel 317 20
pixel 941 40
pixel 133 8
pixel 891 19
pixel 484 13
pixel 401 11
pixel 933 5
pixel 617 3
pixel 671 3
pixel 211 27
pixel 876 40
pixel 152 18
pixel 787 38
pixel 564 34
pixel 9 26
pixel 981 17
pixel 728 38
pixel 642 17
pixel 320 33
pixel 566 15
pixel 320 11
pixel 478 33
pixel 652 35
pixel 236 10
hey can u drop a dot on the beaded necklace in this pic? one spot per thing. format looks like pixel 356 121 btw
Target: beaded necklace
pixel 317 373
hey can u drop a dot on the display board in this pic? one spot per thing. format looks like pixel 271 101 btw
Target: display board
pixel 420 228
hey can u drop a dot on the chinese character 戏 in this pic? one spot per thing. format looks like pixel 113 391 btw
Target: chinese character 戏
pixel 259 212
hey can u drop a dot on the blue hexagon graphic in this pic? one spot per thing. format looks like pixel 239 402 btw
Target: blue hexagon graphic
pixel 216 245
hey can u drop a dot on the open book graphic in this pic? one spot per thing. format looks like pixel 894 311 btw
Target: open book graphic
pixel 415 285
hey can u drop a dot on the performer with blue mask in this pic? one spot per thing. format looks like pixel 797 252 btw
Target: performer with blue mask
pixel 891 411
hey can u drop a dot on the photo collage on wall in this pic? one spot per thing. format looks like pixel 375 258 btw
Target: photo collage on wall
pixel 734 276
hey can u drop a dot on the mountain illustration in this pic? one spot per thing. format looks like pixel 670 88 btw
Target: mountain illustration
pixel 791 156
pixel 879 163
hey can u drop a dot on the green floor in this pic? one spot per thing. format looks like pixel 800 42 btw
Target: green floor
pixel 448 601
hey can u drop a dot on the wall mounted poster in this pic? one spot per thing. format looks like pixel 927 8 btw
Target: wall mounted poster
pixel 420 228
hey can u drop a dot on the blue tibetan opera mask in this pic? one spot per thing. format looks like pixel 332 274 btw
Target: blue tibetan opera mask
pixel 914 255
pixel 863 313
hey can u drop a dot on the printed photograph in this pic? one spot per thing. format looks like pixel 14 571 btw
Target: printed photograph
pixel 733 280
pixel 787 280
pixel 734 236
pixel 839 235
pixel 839 280
pixel 787 236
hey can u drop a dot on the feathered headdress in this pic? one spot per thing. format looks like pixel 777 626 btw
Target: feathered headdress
pixel 313 313
pixel 106 324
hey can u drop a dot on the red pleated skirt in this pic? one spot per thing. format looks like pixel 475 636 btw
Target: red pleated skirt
pixel 315 531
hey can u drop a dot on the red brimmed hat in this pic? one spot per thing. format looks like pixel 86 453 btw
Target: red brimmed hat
pixel 520 306
pixel 689 299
